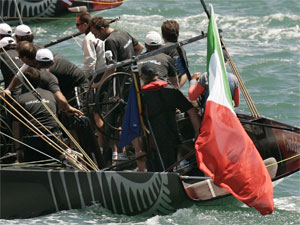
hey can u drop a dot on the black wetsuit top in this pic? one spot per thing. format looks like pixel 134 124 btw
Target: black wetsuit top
pixel 35 108
pixel 165 65
pixel 161 101
pixel 122 45
pixel 178 60
pixel 68 75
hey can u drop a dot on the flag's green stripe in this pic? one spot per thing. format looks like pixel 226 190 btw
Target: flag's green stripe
pixel 213 43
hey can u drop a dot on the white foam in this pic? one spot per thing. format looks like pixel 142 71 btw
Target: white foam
pixel 291 203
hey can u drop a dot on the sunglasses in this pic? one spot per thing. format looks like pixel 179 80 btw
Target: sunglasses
pixel 78 24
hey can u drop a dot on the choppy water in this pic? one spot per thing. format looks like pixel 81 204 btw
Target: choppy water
pixel 263 38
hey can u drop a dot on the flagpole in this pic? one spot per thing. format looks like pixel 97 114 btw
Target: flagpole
pixel 246 94
pixel 136 80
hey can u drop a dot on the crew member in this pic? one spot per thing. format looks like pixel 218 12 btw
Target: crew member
pixel 5 30
pixel 170 34
pixel 27 53
pixel 38 111
pixel 8 60
pixel 161 101
pixel 164 63
pixel 122 46
pixel 199 86
pixel 93 48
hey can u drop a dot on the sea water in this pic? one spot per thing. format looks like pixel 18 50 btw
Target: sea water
pixel 262 37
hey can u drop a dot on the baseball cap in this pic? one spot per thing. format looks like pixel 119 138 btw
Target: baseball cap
pixel 5 29
pixel 149 70
pixel 44 55
pixel 22 30
pixel 153 38
pixel 6 41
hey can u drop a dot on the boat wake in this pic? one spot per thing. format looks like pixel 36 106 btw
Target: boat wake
pixel 291 203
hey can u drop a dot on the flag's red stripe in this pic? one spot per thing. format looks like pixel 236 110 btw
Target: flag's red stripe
pixel 226 153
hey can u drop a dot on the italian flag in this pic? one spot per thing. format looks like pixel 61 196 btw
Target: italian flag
pixel 224 150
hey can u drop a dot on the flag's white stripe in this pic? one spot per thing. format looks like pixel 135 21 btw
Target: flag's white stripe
pixel 216 82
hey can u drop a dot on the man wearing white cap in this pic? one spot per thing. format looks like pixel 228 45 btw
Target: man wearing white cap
pixel 27 53
pixel 68 74
pixel 23 33
pixel 5 30
pixel 72 81
pixel 6 41
pixel 8 59
pixel 164 63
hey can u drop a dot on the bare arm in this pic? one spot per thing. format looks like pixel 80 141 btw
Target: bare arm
pixel 65 106
pixel 195 120
pixel 195 89
pixel 14 82
pixel 138 48
pixel 106 74
pixel 174 81
pixel 236 97
pixel 183 80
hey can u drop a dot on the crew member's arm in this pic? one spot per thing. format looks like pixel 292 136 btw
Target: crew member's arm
pixel 90 56
pixel 15 81
pixel 195 89
pixel 174 81
pixel 183 80
pixel 65 106
pixel 16 132
pixel 105 74
pixel 195 120
pixel 236 97
pixel 172 73
pixel 138 48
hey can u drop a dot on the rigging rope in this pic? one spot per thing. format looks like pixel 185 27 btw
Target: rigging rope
pixel 95 167
pixel 40 133
pixel 16 140
pixel 248 99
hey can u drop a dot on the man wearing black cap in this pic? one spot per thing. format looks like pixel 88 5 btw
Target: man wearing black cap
pixel 161 101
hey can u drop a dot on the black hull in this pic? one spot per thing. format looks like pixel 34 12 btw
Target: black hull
pixel 31 193
pixel 34 192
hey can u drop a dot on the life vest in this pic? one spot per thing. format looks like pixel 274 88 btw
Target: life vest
pixel 154 85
